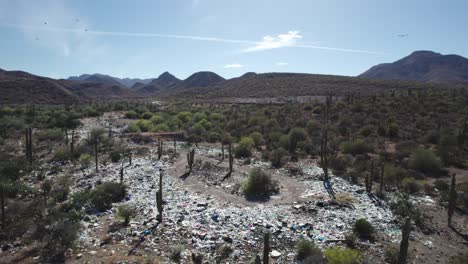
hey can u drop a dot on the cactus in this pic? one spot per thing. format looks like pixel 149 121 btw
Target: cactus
pixel 130 158
pixel 452 199
pixel 159 198
pixel 371 176
pixel 121 173
pixel 190 159
pixel 72 143
pixel 28 145
pixel 266 248
pixel 404 241
pixel 160 148
pixel 96 154
pixel 382 169
pixel 231 158
pixel 175 147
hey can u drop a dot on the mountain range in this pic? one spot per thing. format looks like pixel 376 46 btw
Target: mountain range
pixel 424 66
pixel 413 71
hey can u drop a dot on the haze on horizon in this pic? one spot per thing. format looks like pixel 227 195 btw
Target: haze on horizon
pixel 125 39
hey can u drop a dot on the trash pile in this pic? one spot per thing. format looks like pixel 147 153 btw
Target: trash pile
pixel 201 224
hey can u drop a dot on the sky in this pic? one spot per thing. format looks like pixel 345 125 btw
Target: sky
pixel 144 38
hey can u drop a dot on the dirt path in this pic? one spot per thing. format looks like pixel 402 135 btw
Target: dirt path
pixel 290 192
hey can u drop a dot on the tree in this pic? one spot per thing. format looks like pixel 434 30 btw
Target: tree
pixel 46 187
pixel 244 148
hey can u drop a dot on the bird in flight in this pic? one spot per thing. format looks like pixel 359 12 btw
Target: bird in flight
pixel 402 35
pixel 77 20
pixel 45 23
pixel 85 29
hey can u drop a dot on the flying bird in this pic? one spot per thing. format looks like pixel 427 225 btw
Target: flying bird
pixel 45 23
pixel 402 35
pixel 85 29
pixel 77 20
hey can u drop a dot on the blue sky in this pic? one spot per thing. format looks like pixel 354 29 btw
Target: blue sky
pixel 144 38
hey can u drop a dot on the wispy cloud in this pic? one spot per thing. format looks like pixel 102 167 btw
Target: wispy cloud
pixel 281 64
pixel 282 40
pixel 268 42
pixel 233 66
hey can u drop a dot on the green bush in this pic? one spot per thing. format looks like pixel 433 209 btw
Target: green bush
pixel 147 115
pixel 425 161
pixel 307 252
pixel 391 255
pixel 62 154
pixel 392 130
pixel 115 155
pixel 257 138
pixel 363 229
pixel 55 134
pixel 393 174
pixel 175 252
pixel 278 157
pixel 85 160
pixel 133 128
pixel 160 128
pixel 131 115
pixel 356 147
pixel 296 135
pixel 244 148
pixel 259 184
pixel 126 213
pixel 157 119
pixel 144 125
pixel 410 185
pixel 107 193
pixel 366 130
pixel 339 255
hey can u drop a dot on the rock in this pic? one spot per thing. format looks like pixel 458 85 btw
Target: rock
pixel 275 254
pixel 78 256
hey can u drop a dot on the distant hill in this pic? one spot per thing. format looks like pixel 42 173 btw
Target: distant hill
pixel 296 84
pixel 18 87
pixel 166 83
pixel 109 80
pixel 425 66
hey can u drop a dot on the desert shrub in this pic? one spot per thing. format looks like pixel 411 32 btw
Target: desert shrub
pixel 363 229
pixel 62 154
pixel 131 115
pixel 160 128
pixel 107 193
pixel 425 161
pixel 244 148
pixel 441 185
pixel 307 252
pixel 115 155
pixel 157 119
pixel 410 185
pixel 283 141
pixel 392 130
pixel 126 213
pixel 391 255
pixel 461 258
pixel 133 128
pixel 366 130
pixel 351 240
pixel 394 174
pixel 296 135
pixel 259 184
pixel 54 134
pixel 198 129
pixel 313 128
pixel 175 252
pixel 339 255
pixel 144 125
pixel 339 164
pixel 257 138
pixel 278 157
pixel 356 147
pixel 146 115
pixel 225 251
pixel 205 123
pixel 214 137
pixel 184 117
pixel 85 160
pixel 216 117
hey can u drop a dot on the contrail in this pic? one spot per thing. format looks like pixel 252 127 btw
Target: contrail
pixel 172 36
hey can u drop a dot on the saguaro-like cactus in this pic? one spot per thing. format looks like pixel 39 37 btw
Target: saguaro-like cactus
pixel 452 199
pixel 160 148
pixel 175 147
pixel 72 143
pixel 382 169
pixel 121 173
pixel 231 158
pixel 190 159
pixel 266 248
pixel 28 144
pixel 404 241
pixel 159 198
